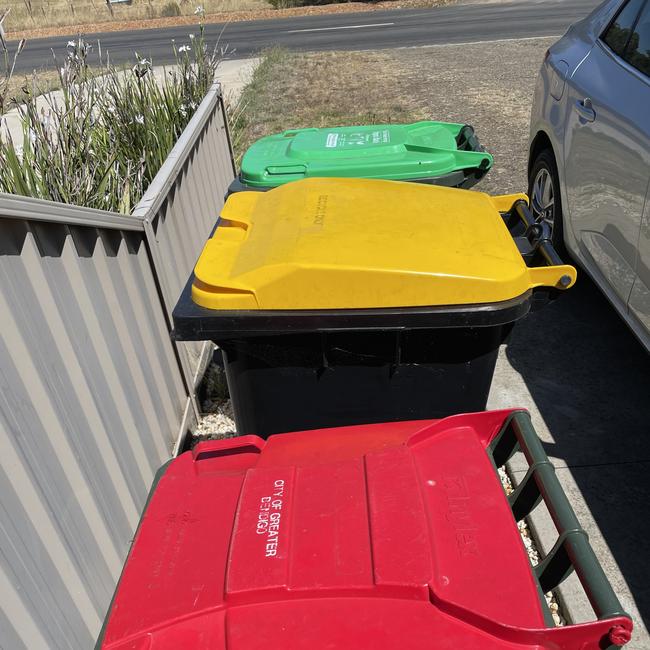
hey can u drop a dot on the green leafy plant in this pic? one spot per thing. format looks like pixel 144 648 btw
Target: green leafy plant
pixel 103 140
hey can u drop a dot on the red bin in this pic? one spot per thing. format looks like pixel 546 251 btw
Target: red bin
pixel 382 536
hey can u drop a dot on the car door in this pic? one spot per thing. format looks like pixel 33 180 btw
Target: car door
pixel 607 147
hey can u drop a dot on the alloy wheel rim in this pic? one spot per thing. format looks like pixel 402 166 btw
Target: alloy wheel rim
pixel 543 198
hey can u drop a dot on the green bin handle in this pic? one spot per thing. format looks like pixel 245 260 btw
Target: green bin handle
pixel 572 550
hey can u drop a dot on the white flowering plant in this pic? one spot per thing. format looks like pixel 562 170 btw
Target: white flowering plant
pixel 102 142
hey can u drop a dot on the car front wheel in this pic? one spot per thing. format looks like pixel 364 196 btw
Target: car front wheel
pixel 544 194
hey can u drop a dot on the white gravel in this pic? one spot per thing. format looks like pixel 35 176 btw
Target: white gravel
pixel 218 421
pixel 217 424
pixel 533 552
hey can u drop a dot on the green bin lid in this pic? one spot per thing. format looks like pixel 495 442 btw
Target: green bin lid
pixel 419 151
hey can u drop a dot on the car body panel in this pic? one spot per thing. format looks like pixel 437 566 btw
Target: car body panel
pixel 605 220
pixel 639 303
pixel 607 162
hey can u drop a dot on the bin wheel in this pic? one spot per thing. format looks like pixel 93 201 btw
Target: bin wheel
pixel 544 194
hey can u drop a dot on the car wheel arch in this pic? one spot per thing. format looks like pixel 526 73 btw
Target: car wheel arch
pixel 540 142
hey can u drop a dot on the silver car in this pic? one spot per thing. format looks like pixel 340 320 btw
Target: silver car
pixel 589 164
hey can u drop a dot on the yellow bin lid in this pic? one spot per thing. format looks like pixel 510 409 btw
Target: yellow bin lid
pixel 357 243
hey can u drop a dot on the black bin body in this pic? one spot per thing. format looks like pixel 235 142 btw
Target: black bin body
pixel 289 372
pixel 311 381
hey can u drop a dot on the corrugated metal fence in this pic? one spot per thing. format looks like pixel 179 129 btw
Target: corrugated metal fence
pixel 93 394
pixel 180 207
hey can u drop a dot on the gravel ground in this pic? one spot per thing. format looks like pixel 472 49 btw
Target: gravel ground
pixel 218 421
pixel 215 425
pixel 488 85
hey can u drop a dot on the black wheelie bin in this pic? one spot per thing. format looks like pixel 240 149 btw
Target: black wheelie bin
pixel 347 301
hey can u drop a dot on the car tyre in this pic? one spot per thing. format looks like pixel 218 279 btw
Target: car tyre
pixel 544 195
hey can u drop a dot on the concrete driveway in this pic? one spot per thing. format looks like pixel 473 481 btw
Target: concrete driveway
pixel 585 379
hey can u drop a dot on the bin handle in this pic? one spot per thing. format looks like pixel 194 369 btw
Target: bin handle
pixel 572 550
pixel 467 140
pixel 225 446
pixel 546 267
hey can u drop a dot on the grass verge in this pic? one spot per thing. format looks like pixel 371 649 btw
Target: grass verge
pixel 292 91
pixel 487 85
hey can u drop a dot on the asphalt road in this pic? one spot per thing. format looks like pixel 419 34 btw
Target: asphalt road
pixel 359 31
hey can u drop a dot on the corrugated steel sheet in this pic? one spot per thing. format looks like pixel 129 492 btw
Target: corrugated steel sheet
pixel 92 395
pixel 181 208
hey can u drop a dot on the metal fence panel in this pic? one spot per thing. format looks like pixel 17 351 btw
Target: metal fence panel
pixel 93 394
pixel 181 207
pixel 91 401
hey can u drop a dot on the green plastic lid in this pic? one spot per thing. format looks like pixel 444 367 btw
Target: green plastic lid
pixel 423 151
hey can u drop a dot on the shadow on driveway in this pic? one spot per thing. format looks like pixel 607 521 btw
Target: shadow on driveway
pixel 590 379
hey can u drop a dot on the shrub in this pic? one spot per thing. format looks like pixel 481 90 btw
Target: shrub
pixel 103 142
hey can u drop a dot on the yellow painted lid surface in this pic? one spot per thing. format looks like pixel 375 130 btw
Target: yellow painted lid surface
pixel 357 243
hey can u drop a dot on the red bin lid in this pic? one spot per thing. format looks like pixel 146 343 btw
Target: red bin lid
pixel 383 536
